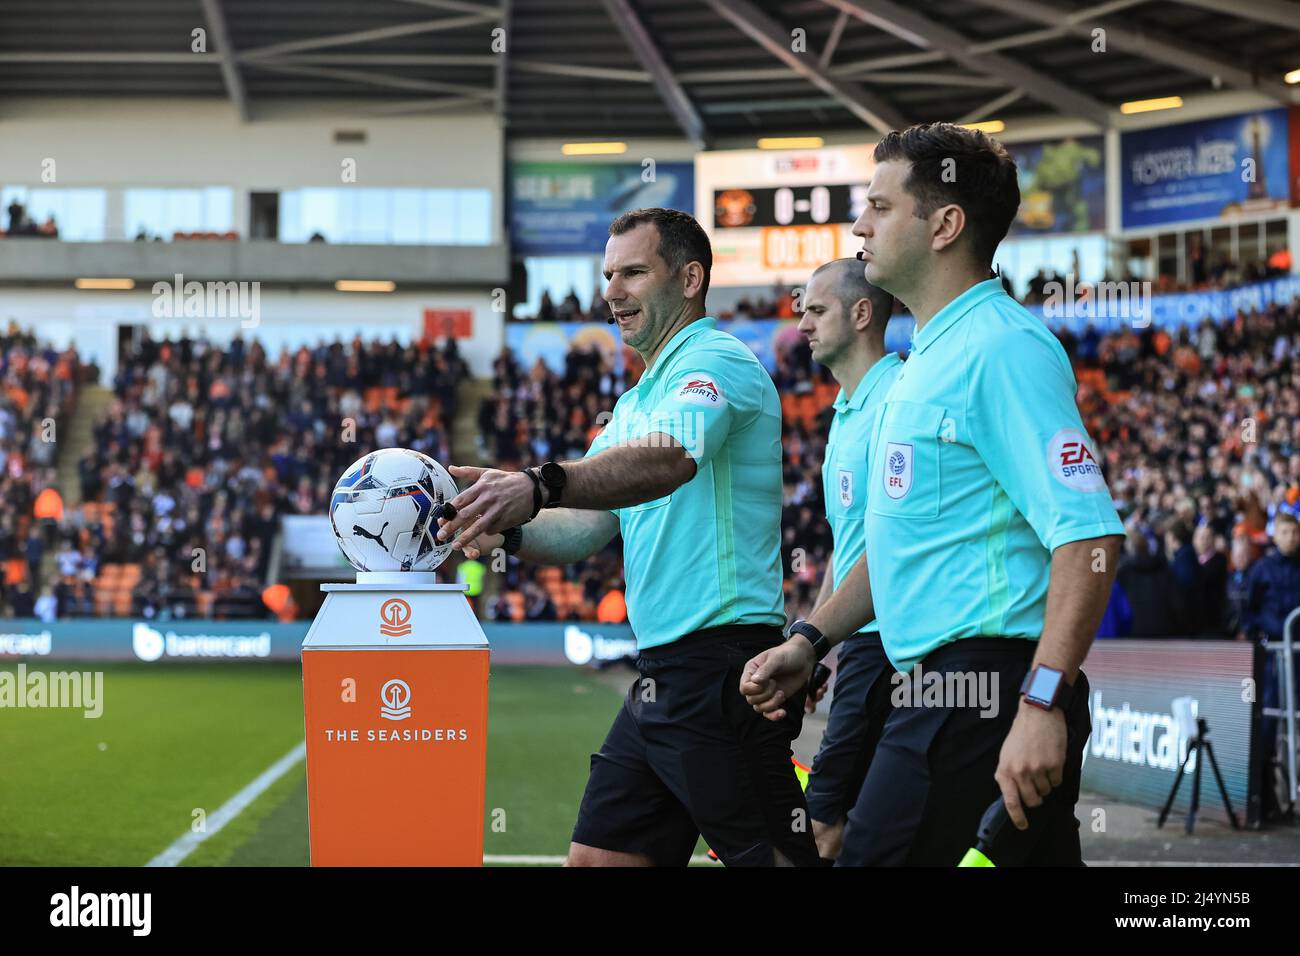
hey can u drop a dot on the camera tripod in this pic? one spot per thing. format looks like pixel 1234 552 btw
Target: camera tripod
pixel 1202 746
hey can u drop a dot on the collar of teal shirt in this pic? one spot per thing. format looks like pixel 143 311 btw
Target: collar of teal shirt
pixel 948 316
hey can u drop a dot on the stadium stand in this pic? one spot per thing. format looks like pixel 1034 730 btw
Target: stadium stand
pixel 38 394
pixel 197 459
pixel 1198 486
pixel 1205 419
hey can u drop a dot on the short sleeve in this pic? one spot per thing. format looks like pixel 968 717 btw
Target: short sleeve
pixel 1026 427
pixel 706 397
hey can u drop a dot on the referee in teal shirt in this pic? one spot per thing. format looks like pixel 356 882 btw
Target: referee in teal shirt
pixel 844 319
pixel 688 469
pixel 991 538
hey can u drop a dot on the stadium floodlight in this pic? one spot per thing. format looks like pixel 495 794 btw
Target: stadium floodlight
pixel 1150 106
pixel 101 284
pixel 791 142
pixel 593 149
pixel 987 126
pixel 365 285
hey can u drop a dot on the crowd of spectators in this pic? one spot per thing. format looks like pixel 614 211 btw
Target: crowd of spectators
pixel 39 386
pixel 22 224
pixel 779 302
pixel 1199 429
pixel 203 449
pixel 1203 274
pixel 535 415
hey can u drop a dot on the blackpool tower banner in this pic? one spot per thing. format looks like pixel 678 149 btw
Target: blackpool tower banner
pixel 1229 166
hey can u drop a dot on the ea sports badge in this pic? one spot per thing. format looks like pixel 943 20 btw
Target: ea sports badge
pixel 701 390
pixel 1072 463
pixel 898 469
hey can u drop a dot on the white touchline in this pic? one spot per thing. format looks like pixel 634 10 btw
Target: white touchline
pixel 189 842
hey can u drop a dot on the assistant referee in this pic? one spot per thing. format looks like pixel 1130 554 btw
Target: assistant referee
pixel 844 320
pixel 689 470
pixel 991 538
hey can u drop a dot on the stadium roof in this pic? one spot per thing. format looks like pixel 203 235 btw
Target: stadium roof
pixel 703 69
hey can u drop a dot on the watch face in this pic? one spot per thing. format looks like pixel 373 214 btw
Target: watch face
pixel 553 474
pixel 1042 689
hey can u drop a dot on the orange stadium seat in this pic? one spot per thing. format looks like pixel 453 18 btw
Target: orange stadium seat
pixel 15 571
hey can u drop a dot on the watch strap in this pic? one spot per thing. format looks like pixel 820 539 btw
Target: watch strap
pixel 821 646
pixel 514 539
pixel 1063 696
pixel 537 491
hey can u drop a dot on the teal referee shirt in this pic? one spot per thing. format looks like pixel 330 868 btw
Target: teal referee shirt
pixel 844 467
pixel 709 554
pixel 980 468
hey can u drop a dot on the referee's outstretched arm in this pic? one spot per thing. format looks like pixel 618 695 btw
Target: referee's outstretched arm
pixel 616 477
pixel 1032 760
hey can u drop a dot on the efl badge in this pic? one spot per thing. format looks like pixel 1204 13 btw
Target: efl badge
pixel 846 488
pixel 898 469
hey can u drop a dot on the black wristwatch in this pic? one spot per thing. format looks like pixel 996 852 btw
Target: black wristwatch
pixel 537 491
pixel 1045 687
pixel 554 478
pixel 821 646
pixel 514 539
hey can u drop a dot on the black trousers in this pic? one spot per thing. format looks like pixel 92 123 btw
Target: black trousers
pixel 931 777
pixel 857 717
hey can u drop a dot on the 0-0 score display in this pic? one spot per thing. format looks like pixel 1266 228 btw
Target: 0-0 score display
pixel 810 205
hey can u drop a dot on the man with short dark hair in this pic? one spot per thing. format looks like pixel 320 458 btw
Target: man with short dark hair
pixel 688 469
pixel 991 538
pixel 844 319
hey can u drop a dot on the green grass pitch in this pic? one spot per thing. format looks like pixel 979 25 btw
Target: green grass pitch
pixel 173 739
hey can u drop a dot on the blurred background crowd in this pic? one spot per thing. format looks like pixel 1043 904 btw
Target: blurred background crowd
pixel 173 510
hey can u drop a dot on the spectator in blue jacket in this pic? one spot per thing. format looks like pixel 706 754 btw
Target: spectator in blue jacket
pixel 1272 593
pixel 1243 559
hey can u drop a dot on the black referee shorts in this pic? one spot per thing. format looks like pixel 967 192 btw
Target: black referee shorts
pixel 931 778
pixel 688 757
pixel 857 716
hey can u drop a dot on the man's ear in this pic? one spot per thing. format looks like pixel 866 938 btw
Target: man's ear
pixel 947 223
pixel 862 315
pixel 692 279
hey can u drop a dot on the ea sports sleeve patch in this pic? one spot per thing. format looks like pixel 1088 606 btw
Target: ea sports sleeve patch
pixel 697 411
pixel 1070 460
pixel 702 390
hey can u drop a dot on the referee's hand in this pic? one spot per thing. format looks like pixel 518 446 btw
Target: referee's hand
pixel 777 675
pixel 1032 761
pixel 496 500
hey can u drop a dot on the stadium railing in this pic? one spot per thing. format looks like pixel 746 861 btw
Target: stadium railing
pixel 1286 665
